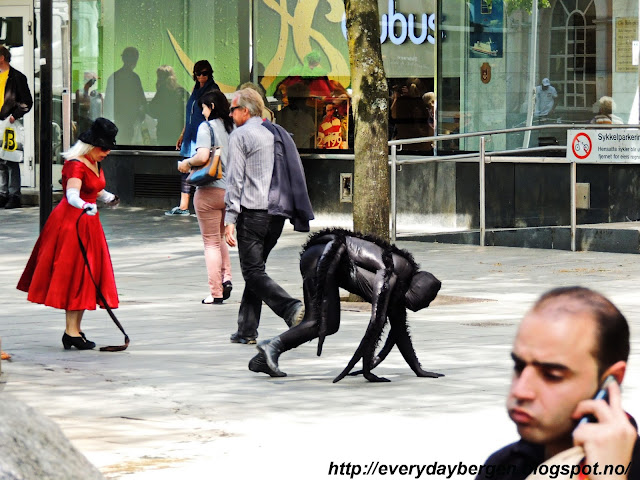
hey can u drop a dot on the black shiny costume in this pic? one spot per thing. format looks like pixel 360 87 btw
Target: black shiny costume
pixel 381 274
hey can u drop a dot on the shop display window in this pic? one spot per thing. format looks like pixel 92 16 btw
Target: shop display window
pixel 132 62
pixel 581 59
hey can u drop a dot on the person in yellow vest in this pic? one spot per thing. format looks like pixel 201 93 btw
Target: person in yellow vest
pixel 15 102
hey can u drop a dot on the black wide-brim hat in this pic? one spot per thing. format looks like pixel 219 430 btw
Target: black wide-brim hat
pixel 102 133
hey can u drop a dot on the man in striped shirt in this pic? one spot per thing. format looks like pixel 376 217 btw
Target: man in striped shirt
pixel 250 167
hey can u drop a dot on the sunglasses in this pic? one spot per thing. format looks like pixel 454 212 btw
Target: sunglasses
pixel 203 73
pixel 233 108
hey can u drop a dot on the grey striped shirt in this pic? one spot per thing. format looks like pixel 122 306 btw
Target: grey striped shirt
pixel 249 169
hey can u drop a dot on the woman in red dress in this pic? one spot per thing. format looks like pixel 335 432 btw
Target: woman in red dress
pixel 56 274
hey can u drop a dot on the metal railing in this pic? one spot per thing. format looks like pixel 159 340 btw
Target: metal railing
pixel 504 156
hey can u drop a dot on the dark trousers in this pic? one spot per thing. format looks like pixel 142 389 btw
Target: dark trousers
pixel 258 233
pixel 9 178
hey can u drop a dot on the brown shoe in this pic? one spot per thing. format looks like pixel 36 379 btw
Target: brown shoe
pixel 236 338
pixel 298 317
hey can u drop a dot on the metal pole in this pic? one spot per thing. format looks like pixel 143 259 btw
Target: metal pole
pixel 253 55
pixel 46 107
pixel 572 175
pixel 533 50
pixel 66 87
pixel 394 158
pixel 482 192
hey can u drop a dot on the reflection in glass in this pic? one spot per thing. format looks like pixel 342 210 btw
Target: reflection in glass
pixel 167 105
pixel 411 110
pixel 315 110
pixel 296 117
pixel 125 103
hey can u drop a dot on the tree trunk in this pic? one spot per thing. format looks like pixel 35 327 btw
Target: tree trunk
pixel 370 101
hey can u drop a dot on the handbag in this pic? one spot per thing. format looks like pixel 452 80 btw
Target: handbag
pixel 12 148
pixel 210 171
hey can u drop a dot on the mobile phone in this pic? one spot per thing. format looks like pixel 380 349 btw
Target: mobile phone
pixel 601 394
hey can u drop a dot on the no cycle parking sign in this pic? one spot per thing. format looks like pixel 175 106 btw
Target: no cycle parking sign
pixel 581 145
pixel 605 146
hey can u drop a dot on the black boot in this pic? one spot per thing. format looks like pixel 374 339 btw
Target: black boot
pixel 13 202
pixel 3 200
pixel 271 350
pixel 259 364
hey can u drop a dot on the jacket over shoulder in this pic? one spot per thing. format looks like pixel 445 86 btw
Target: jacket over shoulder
pixel 288 195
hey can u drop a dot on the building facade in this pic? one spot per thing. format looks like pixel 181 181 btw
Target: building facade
pixel 489 65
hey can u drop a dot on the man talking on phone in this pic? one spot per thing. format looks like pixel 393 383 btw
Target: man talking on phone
pixel 570 341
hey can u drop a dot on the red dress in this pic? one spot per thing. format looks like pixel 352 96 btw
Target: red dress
pixel 56 274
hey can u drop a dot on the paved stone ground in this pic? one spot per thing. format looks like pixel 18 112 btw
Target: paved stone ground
pixel 181 402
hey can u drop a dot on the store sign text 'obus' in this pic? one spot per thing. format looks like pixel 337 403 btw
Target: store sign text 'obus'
pixel 407 27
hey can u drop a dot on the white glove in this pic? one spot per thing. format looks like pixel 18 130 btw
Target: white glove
pixel 109 199
pixel 106 197
pixel 91 208
pixel 73 197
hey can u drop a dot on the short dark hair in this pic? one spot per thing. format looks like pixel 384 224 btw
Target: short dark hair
pixel 612 342
pixel 200 66
pixel 4 52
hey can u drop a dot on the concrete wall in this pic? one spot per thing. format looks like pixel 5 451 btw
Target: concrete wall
pixel 539 195
pixel 426 193
pixel 430 197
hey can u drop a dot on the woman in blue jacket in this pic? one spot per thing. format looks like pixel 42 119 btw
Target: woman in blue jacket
pixel 203 76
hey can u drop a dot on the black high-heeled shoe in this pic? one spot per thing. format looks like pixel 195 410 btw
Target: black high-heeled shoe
pixel 226 290
pixel 81 343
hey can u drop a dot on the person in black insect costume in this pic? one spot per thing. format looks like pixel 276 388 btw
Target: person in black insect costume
pixel 377 271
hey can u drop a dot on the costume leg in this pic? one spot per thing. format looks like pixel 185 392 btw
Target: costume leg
pixel 326 300
pixel 384 351
pixel 267 360
pixel 381 305
pixel 366 350
pixel 308 328
pixel 400 333
pixel 382 354
pixel 318 266
pixel 328 308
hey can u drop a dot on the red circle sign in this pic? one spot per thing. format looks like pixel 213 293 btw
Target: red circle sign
pixel 581 145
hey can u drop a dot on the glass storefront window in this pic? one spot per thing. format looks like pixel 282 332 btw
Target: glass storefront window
pixel 132 61
pixel 488 75
pixel 582 54
pixel 303 63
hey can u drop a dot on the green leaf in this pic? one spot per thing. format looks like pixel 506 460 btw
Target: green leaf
pixel 514 5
